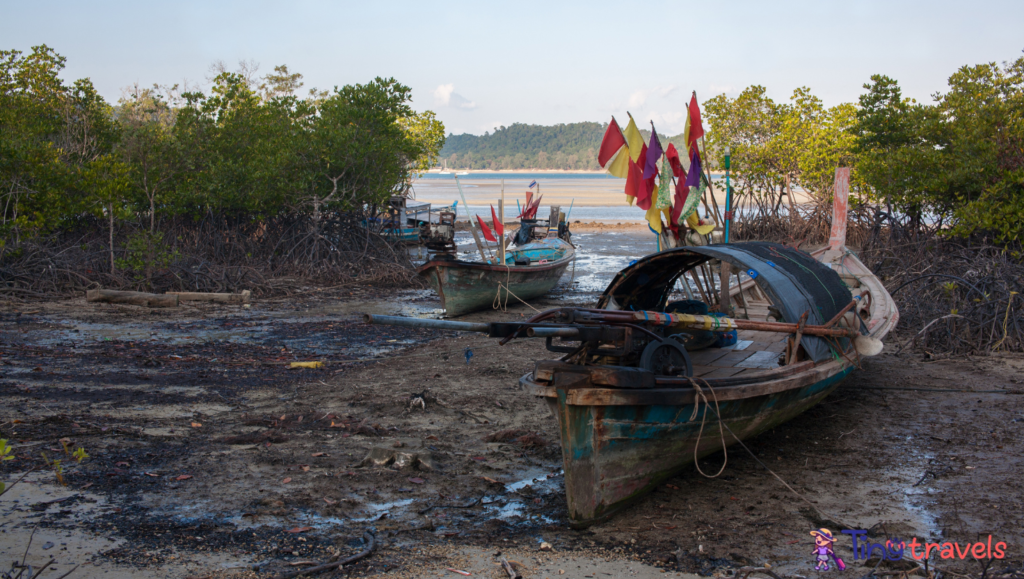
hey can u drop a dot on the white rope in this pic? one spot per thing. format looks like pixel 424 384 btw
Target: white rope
pixel 721 430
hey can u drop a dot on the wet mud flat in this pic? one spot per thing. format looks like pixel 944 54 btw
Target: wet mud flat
pixel 209 455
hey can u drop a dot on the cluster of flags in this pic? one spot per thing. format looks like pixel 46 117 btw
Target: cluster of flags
pixel 678 187
pixel 529 211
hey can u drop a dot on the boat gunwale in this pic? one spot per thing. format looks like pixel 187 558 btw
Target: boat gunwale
pixel 591 395
pixel 570 254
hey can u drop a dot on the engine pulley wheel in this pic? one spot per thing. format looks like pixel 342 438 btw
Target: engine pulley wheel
pixel 666 358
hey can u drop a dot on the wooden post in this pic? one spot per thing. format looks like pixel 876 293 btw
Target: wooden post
pixel 837 237
pixel 501 238
pixel 553 218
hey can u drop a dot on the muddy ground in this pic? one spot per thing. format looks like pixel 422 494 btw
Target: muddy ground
pixel 208 455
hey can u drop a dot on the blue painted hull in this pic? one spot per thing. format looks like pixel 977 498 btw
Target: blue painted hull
pixel 615 452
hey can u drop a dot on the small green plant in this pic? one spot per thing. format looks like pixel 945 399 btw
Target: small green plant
pixel 145 253
pixel 5 454
pixel 78 455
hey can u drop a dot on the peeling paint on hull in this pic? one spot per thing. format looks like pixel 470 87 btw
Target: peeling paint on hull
pixel 614 455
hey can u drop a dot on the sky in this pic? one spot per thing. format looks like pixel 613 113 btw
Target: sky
pixel 481 65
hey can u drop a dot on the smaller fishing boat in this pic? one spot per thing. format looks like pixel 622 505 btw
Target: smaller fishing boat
pixel 403 220
pixel 530 269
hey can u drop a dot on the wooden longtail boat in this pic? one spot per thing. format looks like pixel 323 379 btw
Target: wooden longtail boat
pixel 466 286
pixel 634 407
pixel 625 428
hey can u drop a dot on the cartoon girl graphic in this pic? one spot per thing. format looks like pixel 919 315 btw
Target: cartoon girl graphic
pixel 823 542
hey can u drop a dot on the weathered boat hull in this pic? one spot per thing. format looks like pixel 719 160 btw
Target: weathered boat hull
pixel 615 452
pixel 466 286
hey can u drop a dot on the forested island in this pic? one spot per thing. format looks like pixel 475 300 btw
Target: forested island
pixel 567 147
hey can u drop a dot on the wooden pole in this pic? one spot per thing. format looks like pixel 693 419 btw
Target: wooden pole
pixel 220 298
pixel 501 238
pixel 725 301
pixel 132 298
pixel 801 327
pixel 472 226
pixel 789 195
pixel 700 287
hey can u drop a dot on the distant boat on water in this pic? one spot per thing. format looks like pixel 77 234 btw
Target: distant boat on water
pixel 444 169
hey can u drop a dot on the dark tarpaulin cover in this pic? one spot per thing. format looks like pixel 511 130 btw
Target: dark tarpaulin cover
pixel 795 282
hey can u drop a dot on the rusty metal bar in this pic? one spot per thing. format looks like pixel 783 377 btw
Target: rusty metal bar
pixel 841 313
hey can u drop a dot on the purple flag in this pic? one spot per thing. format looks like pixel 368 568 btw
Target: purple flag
pixel 693 176
pixel 654 153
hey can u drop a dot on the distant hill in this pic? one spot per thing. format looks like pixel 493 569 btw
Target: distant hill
pixel 571 146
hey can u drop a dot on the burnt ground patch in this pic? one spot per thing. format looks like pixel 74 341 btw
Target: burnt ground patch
pixel 202 441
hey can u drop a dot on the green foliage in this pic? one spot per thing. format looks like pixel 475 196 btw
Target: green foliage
pixel 428 133
pixel 959 161
pixel 48 132
pixel 361 151
pixel 249 150
pixel 146 252
pixel 770 140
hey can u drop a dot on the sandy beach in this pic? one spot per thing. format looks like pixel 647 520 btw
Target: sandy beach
pixel 595 190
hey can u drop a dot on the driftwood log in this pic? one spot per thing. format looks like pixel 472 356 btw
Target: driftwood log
pixel 132 298
pixel 240 298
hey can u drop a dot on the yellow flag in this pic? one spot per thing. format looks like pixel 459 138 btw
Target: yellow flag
pixel 619 166
pixel 634 143
pixel 634 140
pixel 654 218
pixel 694 222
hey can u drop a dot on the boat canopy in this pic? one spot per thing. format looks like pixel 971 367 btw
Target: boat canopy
pixel 793 280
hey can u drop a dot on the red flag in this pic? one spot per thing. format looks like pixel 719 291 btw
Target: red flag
pixel 696 129
pixel 673 159
pixel 634 179
pixel 682 192
pixel 649 186
pixel 535 206
pixel 611 143
pixel 486 230
pixel 498 225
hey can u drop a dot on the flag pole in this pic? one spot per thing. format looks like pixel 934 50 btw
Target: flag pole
pixel 501 216
pixel 472 227
pixel 728 196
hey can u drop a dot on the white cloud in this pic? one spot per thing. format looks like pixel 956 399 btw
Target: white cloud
pixel 637 99
pixel 640 98
pixel 669 122
pixel 717 89
pixel 445 96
